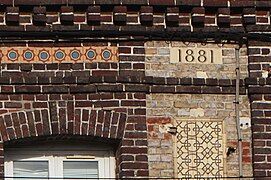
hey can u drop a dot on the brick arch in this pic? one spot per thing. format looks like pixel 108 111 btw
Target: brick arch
pixel 42 122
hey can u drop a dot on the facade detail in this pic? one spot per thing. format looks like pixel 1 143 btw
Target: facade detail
pixel 58 160
pixel 146 88
pixel 200 148
pixel 58 54
pixel 196 55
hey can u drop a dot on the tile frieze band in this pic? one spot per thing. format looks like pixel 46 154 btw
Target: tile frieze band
pixel 58 54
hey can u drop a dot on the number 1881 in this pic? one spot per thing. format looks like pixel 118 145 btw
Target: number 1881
pixel 196 56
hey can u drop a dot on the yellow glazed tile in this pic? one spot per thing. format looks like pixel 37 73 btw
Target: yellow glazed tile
pixel 44 55
pixel 58 54
pixel 91 54
pixel 27 55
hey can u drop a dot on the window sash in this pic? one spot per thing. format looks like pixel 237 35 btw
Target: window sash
pixel 105 163
pixel 31 169
pixel 80 169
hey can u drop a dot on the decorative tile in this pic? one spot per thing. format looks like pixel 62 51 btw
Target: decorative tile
pixel 58 54
pixel 44 55
pixel 28 55
pixel 200 147
pixel 90 54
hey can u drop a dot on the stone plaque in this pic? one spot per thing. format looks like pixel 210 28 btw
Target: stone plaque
pixel 196 55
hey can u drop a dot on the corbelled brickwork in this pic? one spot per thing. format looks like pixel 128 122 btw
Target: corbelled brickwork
pixel 126 72
pixel 143 17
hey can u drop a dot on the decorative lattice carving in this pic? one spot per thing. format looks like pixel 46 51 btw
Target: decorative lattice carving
pixel 199 148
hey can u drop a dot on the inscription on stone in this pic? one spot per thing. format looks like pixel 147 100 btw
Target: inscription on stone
pixel 196 55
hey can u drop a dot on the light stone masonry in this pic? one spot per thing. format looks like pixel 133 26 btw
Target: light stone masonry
pixel 158 62
pixel 174 106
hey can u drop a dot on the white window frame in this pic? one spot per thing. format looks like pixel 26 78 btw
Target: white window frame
pixel 55 155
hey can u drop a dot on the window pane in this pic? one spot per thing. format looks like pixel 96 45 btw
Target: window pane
pixel 80 169
pixel 30 169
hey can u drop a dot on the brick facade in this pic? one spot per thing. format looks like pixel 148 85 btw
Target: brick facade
pixel 43 104
pixel 259 93
pixel 131 100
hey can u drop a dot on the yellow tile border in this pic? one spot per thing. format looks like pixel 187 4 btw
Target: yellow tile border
pixel 58 54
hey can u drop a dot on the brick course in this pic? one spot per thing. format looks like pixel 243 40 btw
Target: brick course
pixel 135 99
pixel 210 16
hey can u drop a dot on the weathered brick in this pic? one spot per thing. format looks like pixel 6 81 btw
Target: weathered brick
pixel 120 19
pixel 134 150
pixel 127 173
pixel 110 88
pixel 133 103
pixel 11 133
pixel 222 3
pixel 55 89
pixel 12 105
pixel 141 142
pixel 261 136
pixel 104 73
pixel 39 10
pixel 106 104
pixel 241 3
pixel 12 10
pixel 188 2
pixel 67 19
pixel 80 2
pixel 135 2
pixel 159 80
pixel 30 118
pixel 136 88
pixel 27 89
pixel 143 173
pixel 40 105
pixel 164 2
pixel 83 104
pixel 39 19
pixel 43 80
pixel 83 89
pixel 45 122
pixel 6 2
pixel 107 2
pixel 12 18
pixel 184 89
pixel 265 51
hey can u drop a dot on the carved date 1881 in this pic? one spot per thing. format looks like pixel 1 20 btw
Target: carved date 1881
pixel 196 55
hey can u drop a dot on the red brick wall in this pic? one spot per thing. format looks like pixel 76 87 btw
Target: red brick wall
pixel 41 89
pixel 259 91
pixel 96 99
